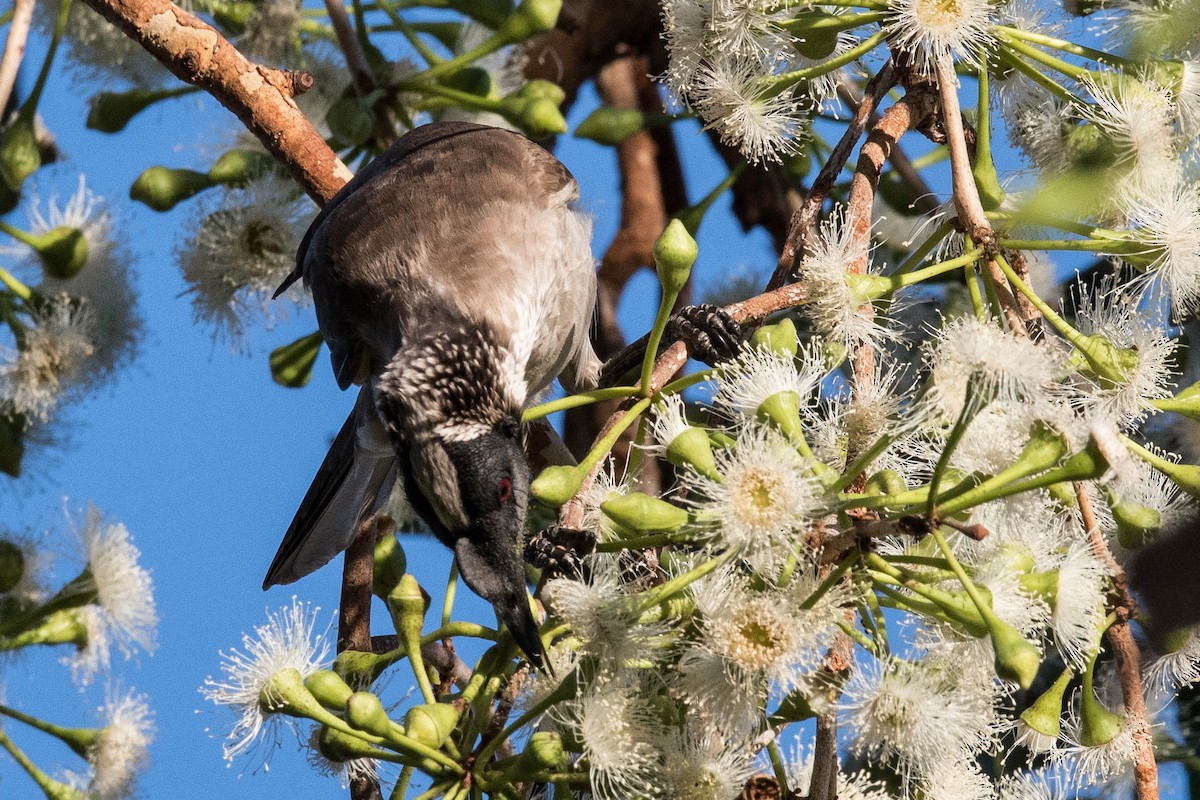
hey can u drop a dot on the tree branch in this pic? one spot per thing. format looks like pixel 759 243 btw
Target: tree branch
pixel 261 97
pixel 14 49
pixel 1126 656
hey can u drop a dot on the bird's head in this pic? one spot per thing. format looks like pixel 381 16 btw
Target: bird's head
pixel 452 404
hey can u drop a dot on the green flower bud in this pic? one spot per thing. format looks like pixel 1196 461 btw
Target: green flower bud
pixel 886 481
pixel 12 565
pixel 162 188
pixel 1043 585
pixel 1110 365
pixel 390 565
pixel 675 252
pixel 1017 659
pixel 531 17
pixel 1187 402
pixel 473 80
pixel 1089 147
pixel 407 604
pixel 236 167
pixel 556 485
pixel 339 746
pixel 1135 523
pixel 20 155
pixel 63 251
pixel 431 724
pixel 779 337
pixel 110 112
pixel 1063 494
pixel 365 712
pixel 1045 714
pixel 329 688
pixel 285 693
pixel 350 122
pixel 693 447
pixel 814 33
pixel 1185 476
pixel 60 627
pixel 611 126
pixel 1097 725
pixel 782 410
pixel 641 512
pixel 545 752
pixel 794 708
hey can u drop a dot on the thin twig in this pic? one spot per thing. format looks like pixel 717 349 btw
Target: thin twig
pixel 356 60
pixel 966 195
pixel 14 49
pixel 1127 658
pixel 800 228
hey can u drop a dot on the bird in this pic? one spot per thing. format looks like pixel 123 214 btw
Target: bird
pixel 453 281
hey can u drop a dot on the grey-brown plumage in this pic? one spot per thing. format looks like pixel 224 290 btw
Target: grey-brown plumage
pixel 452 280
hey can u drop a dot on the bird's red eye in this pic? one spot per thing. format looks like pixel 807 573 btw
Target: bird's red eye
pixel 505 490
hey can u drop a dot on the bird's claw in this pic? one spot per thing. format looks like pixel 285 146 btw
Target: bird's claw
pixel 713 334
pixel 559 551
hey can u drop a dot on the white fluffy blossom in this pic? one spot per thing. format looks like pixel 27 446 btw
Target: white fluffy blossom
pixel 928 29
pixel 288 640
pixel 121 751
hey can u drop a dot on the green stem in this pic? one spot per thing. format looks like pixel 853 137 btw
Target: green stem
pixel 1113 246
pixel 1012 60
pixel 831 580
pixel 858 636
pixel 401 787
pixel 577 400
pixel 781 83
pixel 956 433
pixel 778 767
pixel 80 740
pixel 1061 325
pixel 24 237
pixel 402 25
pixel 925 248
pixel 971 279
pixel 1070 70
pixel 1099 56
pixel 35 95
pixel 15 286
pixel 652 597
pixel 647 541
pixel 933 270
pixel 451 590
pixel 606 444
pixel 565 691
pixel 665 304
pixel 50 787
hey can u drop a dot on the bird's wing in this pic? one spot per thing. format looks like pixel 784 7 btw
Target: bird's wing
pixel 350 483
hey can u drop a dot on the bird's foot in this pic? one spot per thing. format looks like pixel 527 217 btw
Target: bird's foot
pixel 713 334
pixel 559 551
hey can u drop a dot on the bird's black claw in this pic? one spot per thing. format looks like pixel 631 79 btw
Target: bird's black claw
pixel 712 333
pixel 560 551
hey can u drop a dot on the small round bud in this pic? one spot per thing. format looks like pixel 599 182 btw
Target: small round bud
pixel 886 481
pixel 473 80
pixel 285 693
pixel 556 485
pixel 611 126
pixel 637 511
pixel 675 252
pixel 779 337
pixel 20 155
pixel 693 448
pixel 814 33
pixel 1097 725
pixel 110 112
pixel 431 724
pixel 63 251
pixel 163 188
pixel 1135 523
pixel 1044 715
pixel 390 565
pixel 1017 659
pixel 545 751
pixel 365 712
pixel 329 688
pixel 407 604
pixel 530 17
pixel 236 167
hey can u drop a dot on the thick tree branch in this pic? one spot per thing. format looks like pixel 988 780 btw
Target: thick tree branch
pixel 261 97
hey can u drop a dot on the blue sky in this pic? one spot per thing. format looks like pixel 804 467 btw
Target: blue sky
pixel 204 458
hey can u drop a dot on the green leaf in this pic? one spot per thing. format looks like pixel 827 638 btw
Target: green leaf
pixel 291 364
